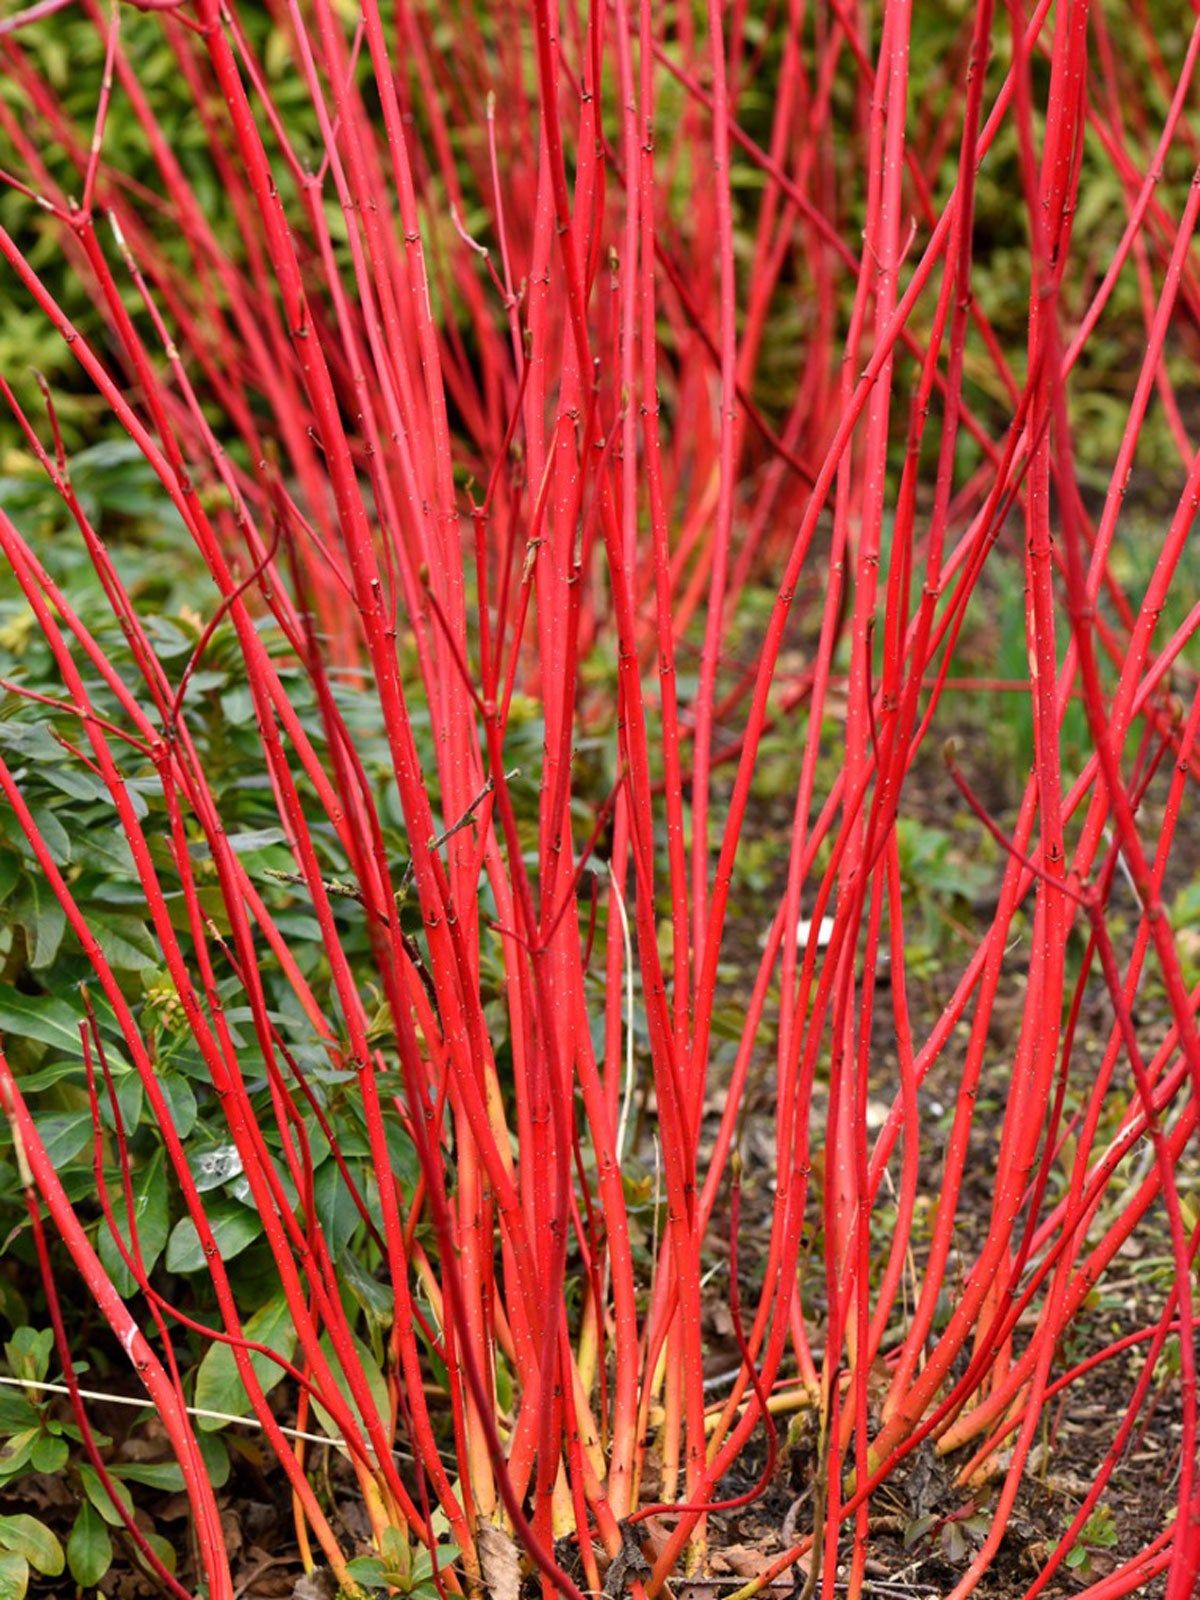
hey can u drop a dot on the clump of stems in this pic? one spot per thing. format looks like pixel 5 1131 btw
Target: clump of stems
pixel 474 399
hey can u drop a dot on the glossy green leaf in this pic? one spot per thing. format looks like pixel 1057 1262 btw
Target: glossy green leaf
pixel 33 1540
pixel 44 922
pixel 49 1454
pixel 98 1495
pixel 150 1213
pixel 65 1135
pixel 233 1226
pixel 164 1475
pixel 89 1548
pixel 375 1383
pixel 50 1019
pixel 218 1384
pixel 14 1575
pixel 27 1352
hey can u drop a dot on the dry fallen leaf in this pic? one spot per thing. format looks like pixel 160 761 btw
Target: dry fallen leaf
pixel 499 1561
pixel 319 1584
pixel 742 1560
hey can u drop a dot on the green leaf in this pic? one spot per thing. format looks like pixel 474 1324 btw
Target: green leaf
pixel 164 1551
pixel 246 843
pixel 393 1548
pixel 234 1227
pixel 164 1475
pixel 89 1549
pixel 916 1530
pixel 13 1309
pixel 215 1165
pixel 10 872
pixel 150 1213
pixel 447 1555
pixel 369 1571
pixel 125 940
pixel 55 837
pixel 33 1540
pixel 16 1412
pixel 64 1135
pixel 130 1095
pixel 376 1298
pixel 238 705
pixel 46 1077
pixel 336 1211
pixel 182 1102
pixel 218 1385
pixel 84 786
pixel 44 921
pixel 14 1575
pixel 50 1019
pixel 375 1383
pixel 169 640
pixel 16 1452
pixel 28 1352
pixel 49 1454
pixel 402 1152
pixel 100 1498
pixel 215 1454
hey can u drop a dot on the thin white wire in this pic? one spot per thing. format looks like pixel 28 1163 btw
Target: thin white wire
pixel 627 1098
pixel 192 1411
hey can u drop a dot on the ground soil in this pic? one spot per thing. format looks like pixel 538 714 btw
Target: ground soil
pixel 1079 1427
